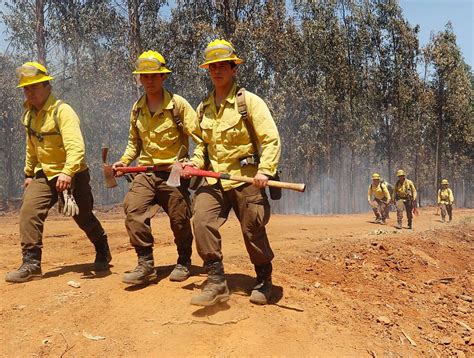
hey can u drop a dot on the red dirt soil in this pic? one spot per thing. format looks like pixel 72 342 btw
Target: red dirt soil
pixel 343 287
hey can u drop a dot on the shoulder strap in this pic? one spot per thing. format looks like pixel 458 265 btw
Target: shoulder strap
pixel 242 108
pixel 200 112
pixel 176 117
pixel 55 119
pixel 55 116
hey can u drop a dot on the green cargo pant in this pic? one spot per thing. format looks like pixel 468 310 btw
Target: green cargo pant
pixel 41 195
pixel 141 204
pixel 211 209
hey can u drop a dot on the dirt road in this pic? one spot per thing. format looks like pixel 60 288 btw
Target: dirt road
pixel 343 287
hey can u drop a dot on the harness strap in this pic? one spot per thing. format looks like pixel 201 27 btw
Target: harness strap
pixel 176 117
pixel 41 135
pixel 242 108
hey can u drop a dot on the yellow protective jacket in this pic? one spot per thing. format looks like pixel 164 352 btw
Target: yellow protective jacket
pixel 56 153
pixel 380 192
pixel 156 139
pixel 226 139
pixel 405 191
pixel 445 196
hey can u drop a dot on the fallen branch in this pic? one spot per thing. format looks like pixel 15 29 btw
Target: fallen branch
pixel 195 321
pixel 412 342
pixel 297 309
pixel 67 345
pixel 372 353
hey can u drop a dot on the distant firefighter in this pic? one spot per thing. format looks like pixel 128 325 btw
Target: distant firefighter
pixel 381 198
pixel 445 200
pixel 405 198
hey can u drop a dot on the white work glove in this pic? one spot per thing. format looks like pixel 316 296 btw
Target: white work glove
pixel 70 206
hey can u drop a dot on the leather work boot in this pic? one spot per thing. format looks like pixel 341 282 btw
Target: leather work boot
pixel 215 289
pixel 262 292
pixel 145 269
pixel 180 273
pixel 102 255
pixel 410 224
pixel 30 268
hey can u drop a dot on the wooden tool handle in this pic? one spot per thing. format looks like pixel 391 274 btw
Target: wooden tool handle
pixel 279 184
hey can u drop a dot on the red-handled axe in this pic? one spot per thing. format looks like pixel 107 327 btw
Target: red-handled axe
pixel 177 171
pixel 109 172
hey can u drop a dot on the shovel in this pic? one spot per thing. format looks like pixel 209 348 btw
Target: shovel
pixel 177 171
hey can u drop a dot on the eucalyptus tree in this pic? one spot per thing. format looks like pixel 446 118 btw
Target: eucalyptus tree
pixel 452 107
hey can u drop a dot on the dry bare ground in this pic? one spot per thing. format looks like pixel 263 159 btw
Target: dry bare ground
pixel 343 287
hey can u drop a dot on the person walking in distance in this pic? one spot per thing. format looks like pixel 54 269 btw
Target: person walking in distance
pixel 55 168
pixel 160 124
pixel 381 198
pixel 445 200
pixel 239 137
pixel 405 197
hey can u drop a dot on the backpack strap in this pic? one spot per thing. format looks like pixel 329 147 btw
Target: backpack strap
pixel 41 135
pixel 135 115
pixel 176 117
pixel 242 108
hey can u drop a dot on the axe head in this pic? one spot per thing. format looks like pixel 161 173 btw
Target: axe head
pixel 109 176
pixel 174 179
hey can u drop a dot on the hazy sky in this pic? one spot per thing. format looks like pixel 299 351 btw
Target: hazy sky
pixel 431 15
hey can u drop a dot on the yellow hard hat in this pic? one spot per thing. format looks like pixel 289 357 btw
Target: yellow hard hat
pixel 150 62
pixel 444 181
pixel 32 72
pixel 376 176
pixel 400 173
pixel 218 51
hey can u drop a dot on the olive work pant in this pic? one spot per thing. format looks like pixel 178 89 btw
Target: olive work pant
pixel 408 208
pixel 41 195
pixel 381 210
pixel 211 209
pixel 147 191
pixel 446 208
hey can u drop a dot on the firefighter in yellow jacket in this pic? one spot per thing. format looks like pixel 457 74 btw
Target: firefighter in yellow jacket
pixel 445 200
pixel 381 198
pixel 160 124
pixel 405 197
pixel 228 147
pixel 55 167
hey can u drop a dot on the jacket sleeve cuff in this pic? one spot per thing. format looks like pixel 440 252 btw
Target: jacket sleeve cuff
pixel 125 160
pixel 68 172
pixel 267 171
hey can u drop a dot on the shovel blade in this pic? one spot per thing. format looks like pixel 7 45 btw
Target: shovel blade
pixel 174 179
pixel 109 177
